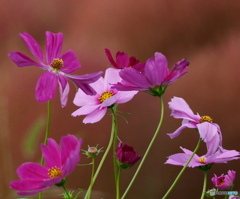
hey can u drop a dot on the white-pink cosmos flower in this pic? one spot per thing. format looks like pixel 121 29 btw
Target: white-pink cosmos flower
pixel 95 107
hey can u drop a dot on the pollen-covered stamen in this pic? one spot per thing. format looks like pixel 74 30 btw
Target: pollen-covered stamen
pixel 57 64
pixel 205 118
pixel 54 172
pixel 105 95
pixel 202 160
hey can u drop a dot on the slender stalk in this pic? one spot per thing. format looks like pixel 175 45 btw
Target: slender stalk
pixel 118 183
pixel 104 155
pixel 182 171
pixel 148 149
pixel 91 183
pixel 46 134
pixel 67 193
pixel 115 166
pixel 204 185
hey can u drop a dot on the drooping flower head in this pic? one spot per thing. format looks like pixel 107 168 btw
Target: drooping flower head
pixel 60 161
pixel 57 68
pixel 154 78
pixel 224 182
pixel 126 155
pixel 95 107
pixel 124 61
pixel 181 110
pixel 219 156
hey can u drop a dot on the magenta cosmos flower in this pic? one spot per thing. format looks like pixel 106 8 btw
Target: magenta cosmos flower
pixel 181 110
pixel 155 76
pixel 95 107
pixel 224 182
pixel 219 156
pixel 60 161
pixel 126 155
pixel 57 68
pixel 124 61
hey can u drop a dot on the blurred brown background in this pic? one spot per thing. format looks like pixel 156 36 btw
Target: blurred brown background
pixel 207 33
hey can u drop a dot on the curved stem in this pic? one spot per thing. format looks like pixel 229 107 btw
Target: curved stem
pixel 204 185
pixel 148 149
pixel 182 171
pixel 104 155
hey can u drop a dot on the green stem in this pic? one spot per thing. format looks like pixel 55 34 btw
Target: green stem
pixel 118 183
pixel 91 182
pixel 104 155
pixel 115 166
pixel 148 149
pixel 46 134
pixel 182 171
pixel 204 185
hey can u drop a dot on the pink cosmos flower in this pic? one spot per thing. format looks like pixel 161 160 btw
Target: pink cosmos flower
pixel 220 156
pixel 224 182
pixel 155 76
pixel 126 155
pixel 57 68
pixel 95 107
pixel 181 110
pixel 60 161
pixel 124 61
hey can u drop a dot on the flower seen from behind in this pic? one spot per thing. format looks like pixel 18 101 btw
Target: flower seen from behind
pixel 154 78
pixel 126 155
pixel 60 161
pixel 57 67
pixel 95 107
pixel 224 182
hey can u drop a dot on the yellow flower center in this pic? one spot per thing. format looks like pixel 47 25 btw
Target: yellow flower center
pixel 205 118
pixel 54 172
pixel 105 95
pixel 202 160
pixel 57 64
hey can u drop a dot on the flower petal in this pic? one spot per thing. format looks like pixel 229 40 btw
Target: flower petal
pixel 156 69
pixel 64 89
pixel 33 46
pixel 110 58
pixel 46 87
pixel 23 60
pixel 71 63
pixel 33 171
pixel 53 45
pixel 95 116
pixel 180 129
pixel 85 110
pixel 51 154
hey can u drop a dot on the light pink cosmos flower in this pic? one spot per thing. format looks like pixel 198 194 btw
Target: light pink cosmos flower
pixel 224 182
pixel 57 68
pixel 181 110
pixel 95 107
pixel 60 161
pixel 124 61
pixel 154 78
pixel 220 156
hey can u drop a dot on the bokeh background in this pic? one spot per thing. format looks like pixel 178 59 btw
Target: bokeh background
pixel 207 33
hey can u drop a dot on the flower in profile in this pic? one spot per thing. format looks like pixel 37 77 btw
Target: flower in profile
pixel 155 77
pixel 124 61
pixel 126 156
pixel 60 161
pixel 58 68
pixel 224 182
pixel 181 110
pixel 219 156
pixel 95 107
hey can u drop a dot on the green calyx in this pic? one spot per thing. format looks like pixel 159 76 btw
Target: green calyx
pixel 158 90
